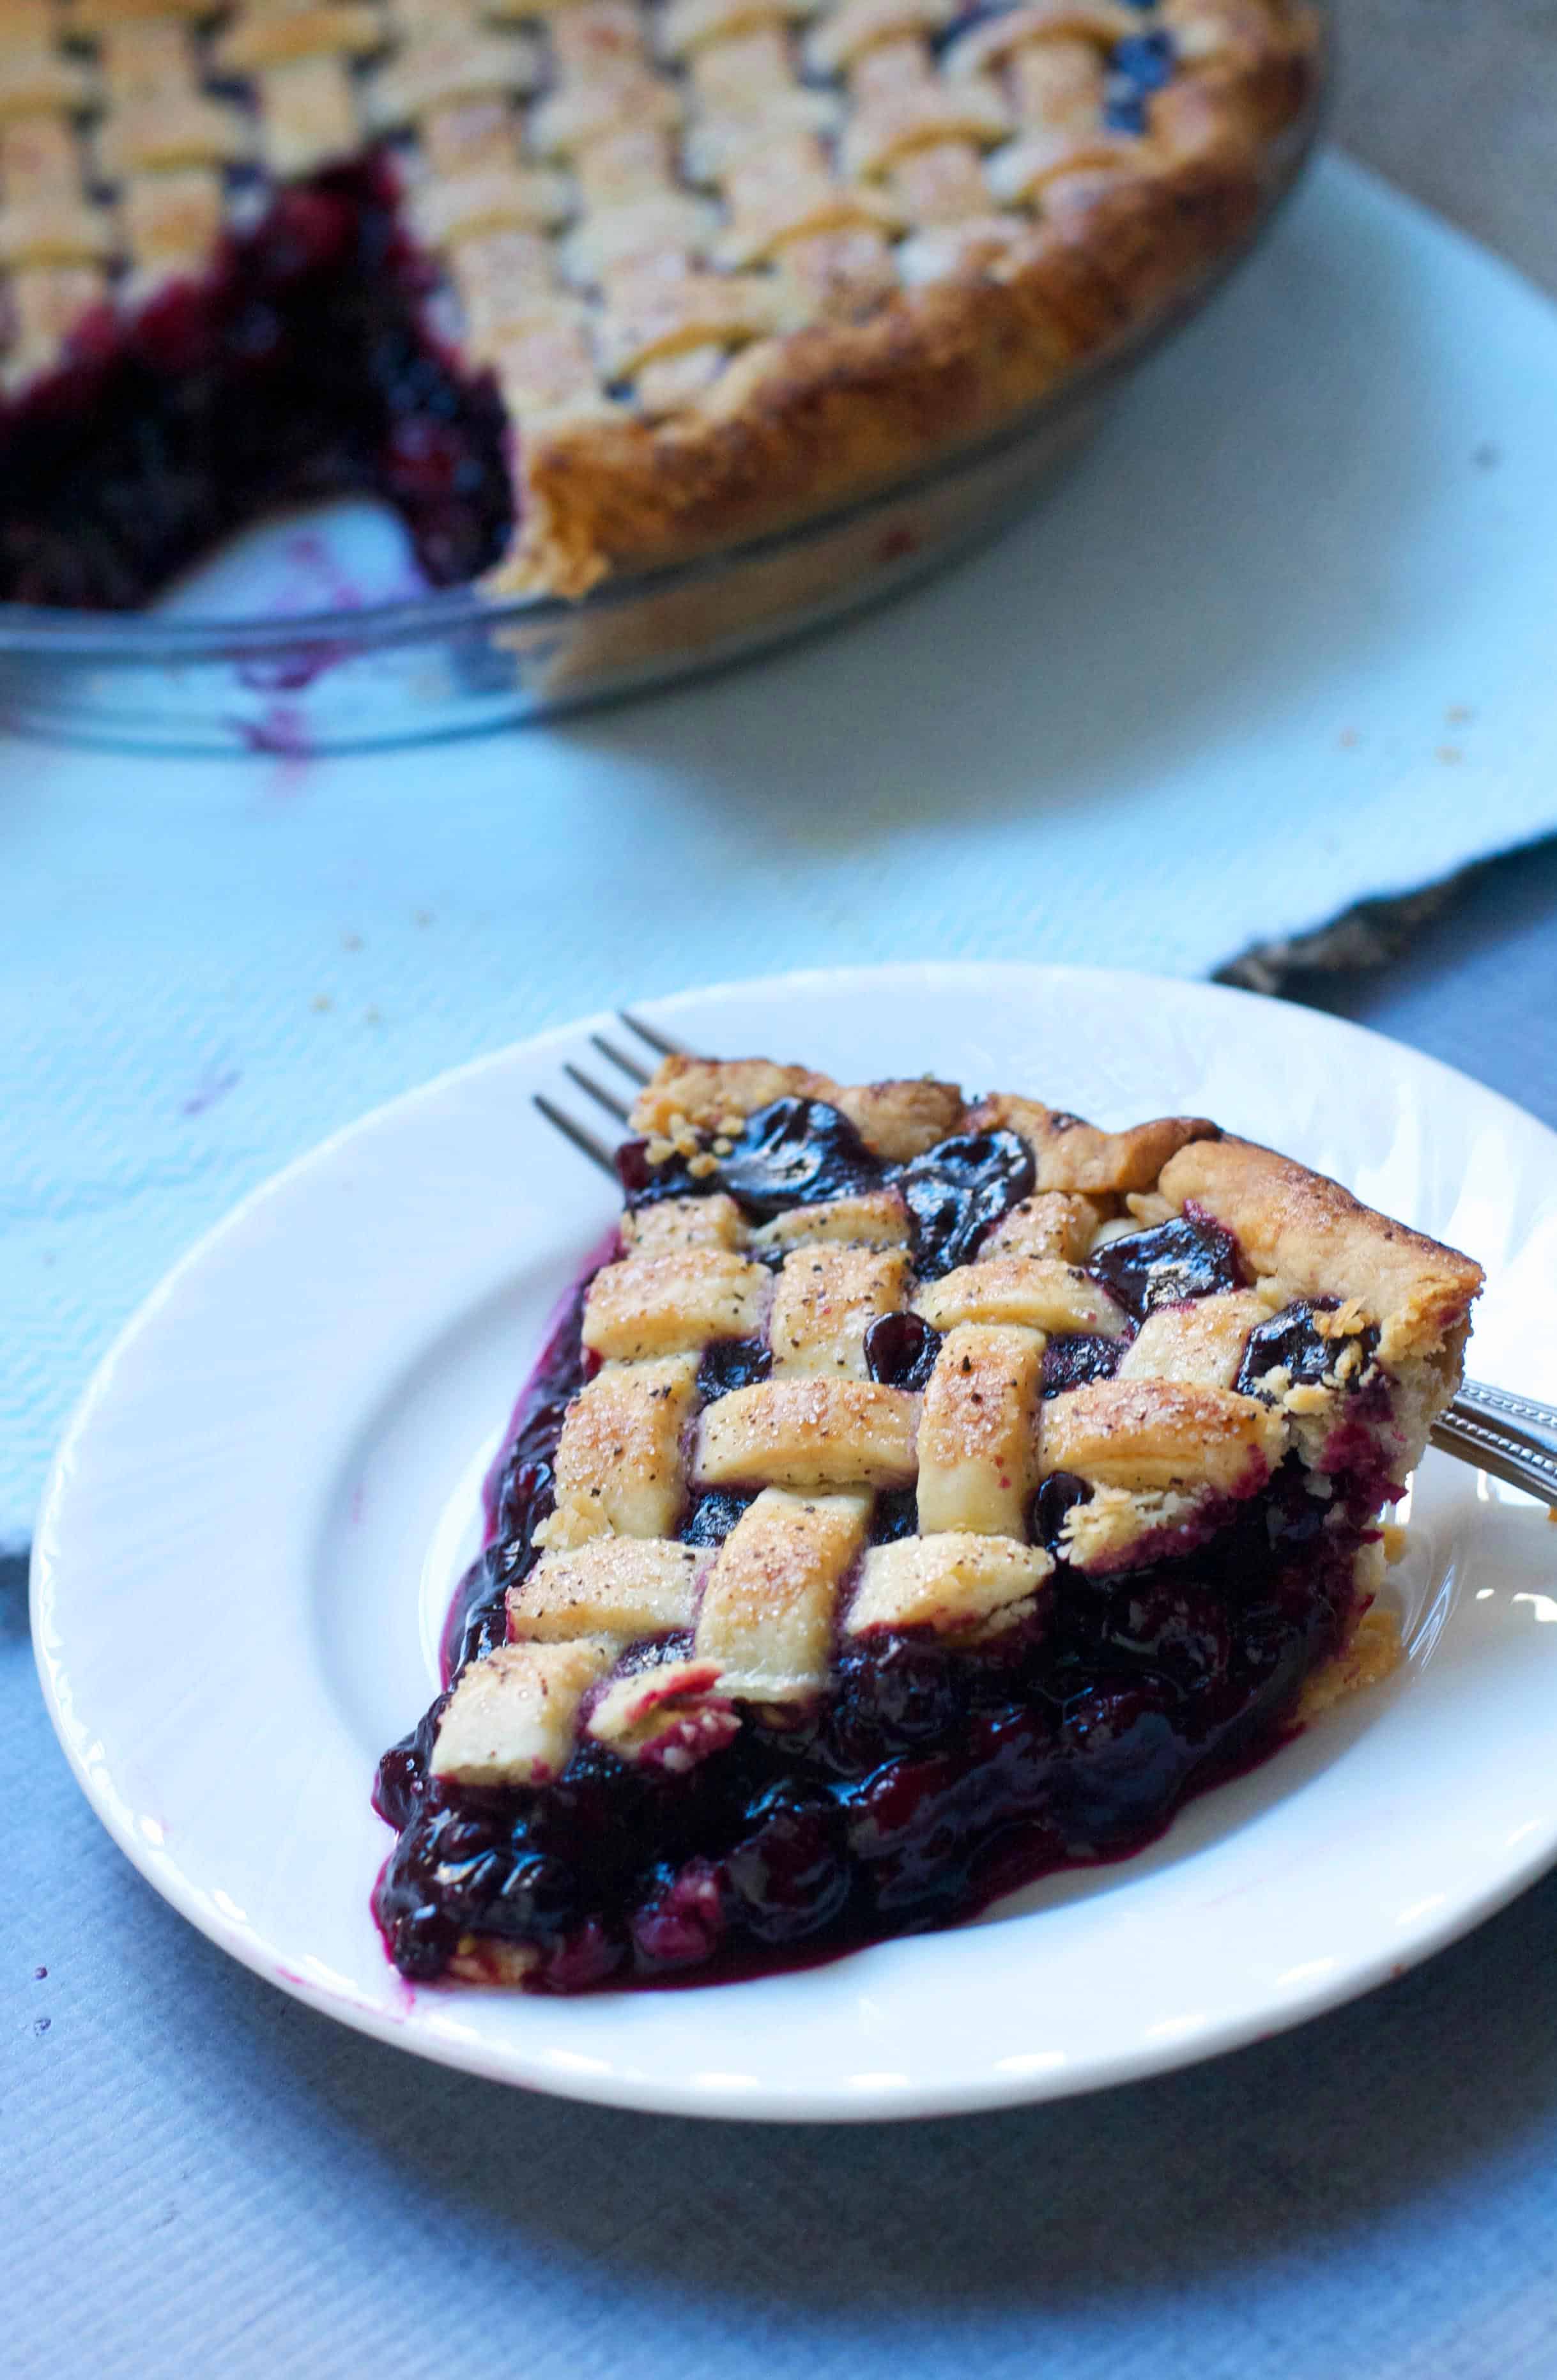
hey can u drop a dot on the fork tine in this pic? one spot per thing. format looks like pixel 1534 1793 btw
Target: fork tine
pixel 597 1091
pixel 596 1150
pixel 629 1066
pixel 656 1040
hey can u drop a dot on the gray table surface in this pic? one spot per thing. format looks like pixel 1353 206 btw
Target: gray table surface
pixel 205 2176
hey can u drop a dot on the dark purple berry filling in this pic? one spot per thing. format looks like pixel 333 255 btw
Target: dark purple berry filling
pixel 1191 1257
pixel 712 1518
pixel 957 1190
pixel 791 1153
pixel 1292 1341
pixel 1073 1357
pixel 731 1364
pixel 895 1514
pixel 901 1351
pixel 802 1152
pixel 1144 60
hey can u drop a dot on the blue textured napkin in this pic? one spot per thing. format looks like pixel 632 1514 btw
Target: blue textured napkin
pixel 1282 641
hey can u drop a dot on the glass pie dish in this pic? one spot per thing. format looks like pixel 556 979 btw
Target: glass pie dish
pixel 346 646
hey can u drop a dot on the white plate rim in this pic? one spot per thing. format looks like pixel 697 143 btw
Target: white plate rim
pixel 545 1050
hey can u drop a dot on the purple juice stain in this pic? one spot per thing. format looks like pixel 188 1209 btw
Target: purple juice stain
pixel 213 1084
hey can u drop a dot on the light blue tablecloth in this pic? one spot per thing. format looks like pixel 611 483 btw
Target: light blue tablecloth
pixel 204 968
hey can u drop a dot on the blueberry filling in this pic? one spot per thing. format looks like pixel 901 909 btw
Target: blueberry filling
pixel 1146 61
pixel 712 1518
pixel 1073 1357
pixel 1138 66
pixel 731 1364
pixel 791 1153
pixel 893 1514
pixel 957 1190
pixel 1123 109
pixel 1188 1256
pixel 1291 1342
pixel 901 1351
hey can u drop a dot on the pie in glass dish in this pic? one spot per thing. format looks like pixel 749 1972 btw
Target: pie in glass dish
pixel 918 1496
pixel 586 288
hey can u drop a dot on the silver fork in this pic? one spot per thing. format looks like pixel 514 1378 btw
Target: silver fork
pixel 1512 1437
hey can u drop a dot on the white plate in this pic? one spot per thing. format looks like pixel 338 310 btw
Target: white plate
pixel 255 1520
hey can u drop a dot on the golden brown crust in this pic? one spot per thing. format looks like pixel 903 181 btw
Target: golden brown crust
pixel 1051 1223
pixel 707 1096
pixel 808 1434
pixel 700 1092
pixel 1310 1238
pixel 1162 1433
pixel 901 1120
pixel 1073 1156
pixel 1301 1234
pixel 769 1607
pixel 821 415
pixel 977 1431
pixel 1034 1293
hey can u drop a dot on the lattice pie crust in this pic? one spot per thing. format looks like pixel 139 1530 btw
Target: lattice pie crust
pixel 817 1438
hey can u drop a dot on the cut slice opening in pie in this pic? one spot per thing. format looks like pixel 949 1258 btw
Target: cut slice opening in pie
pixel 922 1496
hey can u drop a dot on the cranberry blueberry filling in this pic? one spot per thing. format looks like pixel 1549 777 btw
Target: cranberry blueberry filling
pixel 791 1634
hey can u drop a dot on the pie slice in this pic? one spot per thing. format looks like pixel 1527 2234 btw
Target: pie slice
pixel 924 1495
pixel 581 287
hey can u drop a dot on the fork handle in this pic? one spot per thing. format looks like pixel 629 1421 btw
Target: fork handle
pixel 1511 1436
